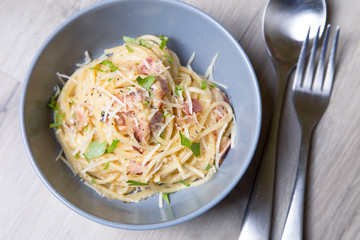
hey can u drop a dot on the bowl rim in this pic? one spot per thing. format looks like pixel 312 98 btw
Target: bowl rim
pixel 159 225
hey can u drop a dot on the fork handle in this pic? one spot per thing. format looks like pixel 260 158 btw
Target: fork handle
pixel 293 229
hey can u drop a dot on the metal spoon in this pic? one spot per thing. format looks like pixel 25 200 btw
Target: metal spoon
pixel 285 26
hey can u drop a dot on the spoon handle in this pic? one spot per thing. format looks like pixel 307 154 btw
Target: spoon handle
pixel 257 219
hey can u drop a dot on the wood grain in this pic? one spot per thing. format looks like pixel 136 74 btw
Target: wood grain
pixel 29 211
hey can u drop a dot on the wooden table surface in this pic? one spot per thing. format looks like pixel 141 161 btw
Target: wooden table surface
pixel 29 211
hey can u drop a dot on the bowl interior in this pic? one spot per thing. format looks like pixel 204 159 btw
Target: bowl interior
pixel 101 26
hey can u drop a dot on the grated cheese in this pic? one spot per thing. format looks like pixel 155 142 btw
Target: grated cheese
pixel 87 60
pixel 191 59
pixel 169 103
pixel 166 123
pixel 189 99
pixel 217 155
pixel 210 69
pixel 146 159
pixel 110 95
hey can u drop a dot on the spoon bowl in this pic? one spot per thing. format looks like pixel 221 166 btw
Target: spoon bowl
pixel 286 23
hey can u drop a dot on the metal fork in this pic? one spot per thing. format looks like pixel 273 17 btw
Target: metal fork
pixel 311 96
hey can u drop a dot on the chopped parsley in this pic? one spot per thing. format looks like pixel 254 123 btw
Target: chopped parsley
pixel 170 60
pixel 195 147
pixel 185 183
pixel 110 65
pixel 165 114
pixel 162 135
pixel 95 149
pixel 136 183
pixel 52 104
pixel 107 165
pixel 212 85
pixel 163 42
pixel 146 102
pixel 130 50
pixel 203 85
pixel 93 181
pixel 58 118
pixel 146 82
pixel 208 167
pixel 179 90
pixel 72 101
pixel 86 128
pixel 112 147
pixel 77 156
pixel 128 39
pixel 144 44
pixel 99 69
pixel 110 79
pixel 166 197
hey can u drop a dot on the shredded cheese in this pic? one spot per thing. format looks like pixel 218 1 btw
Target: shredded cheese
pixel 164 126
pixel 87 60
pixel 189 99
pixel 217 155
pixel 147 158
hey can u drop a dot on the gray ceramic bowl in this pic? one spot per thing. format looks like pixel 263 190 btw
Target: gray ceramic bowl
pixel 101 26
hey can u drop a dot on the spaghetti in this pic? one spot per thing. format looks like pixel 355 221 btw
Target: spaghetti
pixel 135 122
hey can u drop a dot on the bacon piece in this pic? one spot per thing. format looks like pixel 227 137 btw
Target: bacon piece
pixel 138 149
pixel 81 118
pixel 196 106
pixel 155 120
pixel 134 168
pixel 159 89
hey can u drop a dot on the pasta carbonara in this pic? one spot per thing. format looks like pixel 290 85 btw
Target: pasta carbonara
pixel 134 122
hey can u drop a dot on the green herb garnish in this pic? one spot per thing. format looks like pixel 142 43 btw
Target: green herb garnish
pixel 146 102
pixel 107 165
pixel 212 85
pixel 170 60
pixel 203 85
pixel 93 181
pixel 165 114
pixel 112 146
pixel 163 42
pixel 109 64
pixel 208 167
pixel 162 135
pixel 58 119
pixel 195 147
pixel 99 69
pixel 130 50
pixel 128 39
pixel 86 128
pixel 94 150
pixel 166 197
pixel 52 104
pixel 185 183
pixel 72 102
pixel 146 82
pixel 136 183
pixel 179 90
pixel 144 44
pixel 110 79
pixel 77 156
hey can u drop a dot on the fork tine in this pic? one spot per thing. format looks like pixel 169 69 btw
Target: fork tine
pixel 309 75
pixel 329 77
pixel 301 64
pixel 319 77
